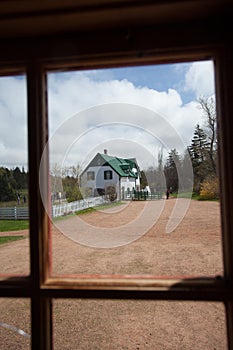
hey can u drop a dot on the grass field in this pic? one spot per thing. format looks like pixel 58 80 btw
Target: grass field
pixel 192 195
pixel 99 207
pixel 13 225
pixel 7 239
pixel 17 225
pixel 88 210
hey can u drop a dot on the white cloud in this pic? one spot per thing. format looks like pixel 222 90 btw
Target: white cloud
pixel 114 123
pixel 200 78
pixel 79 93
pixel 13 118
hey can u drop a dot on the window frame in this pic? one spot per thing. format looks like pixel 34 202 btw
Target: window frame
pixel 37 60
pixel 107 175
pixel 90 175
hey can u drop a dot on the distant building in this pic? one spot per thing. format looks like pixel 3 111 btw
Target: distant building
pixel 108 175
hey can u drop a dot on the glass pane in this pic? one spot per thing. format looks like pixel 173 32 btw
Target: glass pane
pixel 107 324
pixel 14 213
pixel 133 171
pixel 15 324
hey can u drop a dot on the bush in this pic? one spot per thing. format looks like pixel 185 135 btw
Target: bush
pixel 73 194
pixel 111 193
pixel 210 189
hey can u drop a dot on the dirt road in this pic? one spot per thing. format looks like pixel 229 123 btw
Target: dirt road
pixel 192 249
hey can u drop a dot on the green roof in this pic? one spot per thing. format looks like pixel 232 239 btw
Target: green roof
pixel 121 166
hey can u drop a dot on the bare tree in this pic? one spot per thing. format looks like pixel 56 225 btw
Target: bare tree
pixel 207 104
pixel 56 178
pixel 75 171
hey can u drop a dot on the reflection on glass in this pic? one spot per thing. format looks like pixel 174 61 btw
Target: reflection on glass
pixel 108 324
pixel 15 324
pixel 131 151
pixel 14 213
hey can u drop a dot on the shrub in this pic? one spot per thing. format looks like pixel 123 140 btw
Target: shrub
pixel 111 193
pixel 210 189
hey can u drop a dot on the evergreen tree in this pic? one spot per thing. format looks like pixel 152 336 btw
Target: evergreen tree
pixel 17 175
pixel 199 146
pixel 24 179
pixel 200 155
pixel 172 168
pixel 143 180
pixel 12 181
pixel 6 190
pixel 187 172
pixel 71 188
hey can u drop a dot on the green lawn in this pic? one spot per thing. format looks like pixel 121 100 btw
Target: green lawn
pixel 89 210
pixel 7 239
pixel 13 225
pixel 99 207
pixel 192 196
pixel 185 195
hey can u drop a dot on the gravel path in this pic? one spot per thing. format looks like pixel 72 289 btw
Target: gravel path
pixel 193 249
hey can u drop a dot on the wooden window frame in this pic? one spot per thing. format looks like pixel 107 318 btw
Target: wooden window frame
pixel 110 49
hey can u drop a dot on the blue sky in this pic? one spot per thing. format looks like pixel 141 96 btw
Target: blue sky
pixel 169 91
pixel 160 77
pixel 157 77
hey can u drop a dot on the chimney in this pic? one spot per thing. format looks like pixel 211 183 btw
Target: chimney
pixel 105 151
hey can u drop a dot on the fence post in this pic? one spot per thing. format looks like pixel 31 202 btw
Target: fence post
pixel 15 213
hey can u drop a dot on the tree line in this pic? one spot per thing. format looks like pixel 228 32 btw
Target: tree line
pixel 12 181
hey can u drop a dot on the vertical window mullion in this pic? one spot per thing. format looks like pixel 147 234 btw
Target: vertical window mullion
pixel 224 86
pixel 229 320
pixel 37 134
pixel 224 104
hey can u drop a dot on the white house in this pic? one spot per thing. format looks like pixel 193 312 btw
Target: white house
pixel 108 175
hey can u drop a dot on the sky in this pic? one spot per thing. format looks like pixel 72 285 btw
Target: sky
pixel 131 112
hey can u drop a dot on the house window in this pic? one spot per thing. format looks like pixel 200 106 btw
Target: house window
pixel 108 175
pixel 108 47
pixel 90 175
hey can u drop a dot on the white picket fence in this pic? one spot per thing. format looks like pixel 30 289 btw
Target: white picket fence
pixel 68 208
pixel 22 213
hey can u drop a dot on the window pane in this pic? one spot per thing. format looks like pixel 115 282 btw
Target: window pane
pixel 15 324
pixel 98 324
pixel 151 204
pixel 14 213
